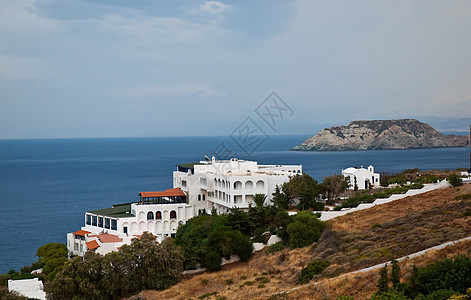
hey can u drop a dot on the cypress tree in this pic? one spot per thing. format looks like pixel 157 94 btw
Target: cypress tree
pixel 395 274
pixel 383 280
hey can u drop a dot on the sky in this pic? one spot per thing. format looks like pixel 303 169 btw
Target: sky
pixel 122 68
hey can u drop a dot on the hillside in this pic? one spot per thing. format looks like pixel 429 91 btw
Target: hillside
pixel 381 134
pixel 353 242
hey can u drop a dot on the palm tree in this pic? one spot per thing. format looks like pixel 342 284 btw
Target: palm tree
pixel 259 199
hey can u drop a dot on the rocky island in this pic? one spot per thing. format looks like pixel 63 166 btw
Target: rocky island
pixel 381 134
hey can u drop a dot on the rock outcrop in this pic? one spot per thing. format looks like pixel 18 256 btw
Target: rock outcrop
pixel 381 134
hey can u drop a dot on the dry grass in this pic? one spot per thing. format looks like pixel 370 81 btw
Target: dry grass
pixel 363 285
pixel 352 243
pixel 364 219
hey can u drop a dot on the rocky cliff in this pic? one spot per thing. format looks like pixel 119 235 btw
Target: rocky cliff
pixel 381 134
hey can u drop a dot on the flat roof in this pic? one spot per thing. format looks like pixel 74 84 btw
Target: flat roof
pixel 116 211
pixel 190 165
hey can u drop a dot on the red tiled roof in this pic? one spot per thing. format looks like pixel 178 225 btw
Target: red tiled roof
pixel 107 238
pixel 167 193
pixel 92 245
pixel 82 232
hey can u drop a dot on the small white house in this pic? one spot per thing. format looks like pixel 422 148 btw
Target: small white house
pixel 361 178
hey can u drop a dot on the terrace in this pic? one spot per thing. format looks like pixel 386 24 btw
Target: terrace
pixel 170 196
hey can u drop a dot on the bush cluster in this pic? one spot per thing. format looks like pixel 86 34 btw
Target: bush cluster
pixel 313 268
pixel 443 279
pixel 144 264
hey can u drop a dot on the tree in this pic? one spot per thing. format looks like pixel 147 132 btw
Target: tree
pixel 395 274
pixel 302 187
pixel 383 281
pixel 144 264
pixel 455 180
pixel 206 239
pixel 305 229
pixel 334 185
pixel 259 200
pixel 52 257
pixel 280 200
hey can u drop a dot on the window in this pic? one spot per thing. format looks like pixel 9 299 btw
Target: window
pixel 199 197
pixel 94 220
pixel 107 223
pixel 173 235
pixel 260 184
pixel 184 183
pixel 237 185
pixel 81 247
pixel 249 185
pixel 204 197
pixel 173 214
pixel 114 224
pixel 89 220
pixel 125 229
pixel 76 247
pixel 150 215
pixel 100 221
pixel 158 215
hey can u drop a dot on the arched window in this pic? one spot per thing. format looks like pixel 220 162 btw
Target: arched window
pixel 173 214
pixel 237 185
pixel 199 197
pixel 158 215
pixel 248 185
pixel 204 197
pixel 150 215
pixel 260 184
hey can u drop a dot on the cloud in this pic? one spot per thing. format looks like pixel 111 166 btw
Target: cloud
pixel 214 7
pixel 200 90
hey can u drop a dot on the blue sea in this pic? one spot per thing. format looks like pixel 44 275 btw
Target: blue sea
pixel 46 185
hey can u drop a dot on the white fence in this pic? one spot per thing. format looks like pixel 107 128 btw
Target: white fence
pixel 327 215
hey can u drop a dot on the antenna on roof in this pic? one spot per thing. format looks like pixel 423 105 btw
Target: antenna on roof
pixel 206 158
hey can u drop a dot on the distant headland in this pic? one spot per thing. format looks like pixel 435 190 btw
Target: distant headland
pixel 381 134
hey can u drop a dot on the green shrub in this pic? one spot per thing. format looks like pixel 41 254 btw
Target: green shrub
pixel 305 229
pixel 463 197
pixel 376 225
pixel 204 282
pixel 437 295
pixel 454 180
pixel 262 279
pixel 276 247
pixel 207 295
pixel 390 295
pixel 313 268
pixel 248 283
pixel 212 261
pixel 229 281
pixel 446 274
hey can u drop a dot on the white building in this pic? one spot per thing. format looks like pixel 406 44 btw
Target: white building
pixel 362 178
pixel 220 184
pixel 224 184
pixel 31 288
